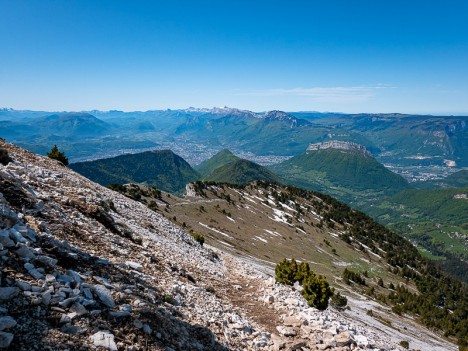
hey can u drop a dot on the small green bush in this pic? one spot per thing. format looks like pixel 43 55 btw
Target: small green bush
pixel 404 343
pixel 168 298
pixel 286 272
pixel 199 238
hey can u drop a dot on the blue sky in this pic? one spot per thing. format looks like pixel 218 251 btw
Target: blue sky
pixel 347 56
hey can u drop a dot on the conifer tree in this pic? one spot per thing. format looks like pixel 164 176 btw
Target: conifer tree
pixel 317 291
pixel 58 155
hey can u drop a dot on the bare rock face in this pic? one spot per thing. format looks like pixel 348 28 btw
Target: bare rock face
pixel 286 331
pixel 292 321
pixel 190 190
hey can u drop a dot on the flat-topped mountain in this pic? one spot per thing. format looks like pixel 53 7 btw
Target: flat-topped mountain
pixel 161 168
pixel 344 170
pixel 338 145
pixel 409 139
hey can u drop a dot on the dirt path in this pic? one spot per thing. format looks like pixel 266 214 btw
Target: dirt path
pixel 243 293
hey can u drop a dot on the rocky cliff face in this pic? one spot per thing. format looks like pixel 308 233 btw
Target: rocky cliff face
pixel 339 145
pixel 286 118
pixel 84 267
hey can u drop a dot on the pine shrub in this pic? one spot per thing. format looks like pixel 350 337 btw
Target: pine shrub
pixel 316 289
pixel 57 155
pixel 4 157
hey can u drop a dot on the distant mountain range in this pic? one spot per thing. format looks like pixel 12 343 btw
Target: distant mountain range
pixel 400 141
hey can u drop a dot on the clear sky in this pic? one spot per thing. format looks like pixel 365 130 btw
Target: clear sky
pixel 329 55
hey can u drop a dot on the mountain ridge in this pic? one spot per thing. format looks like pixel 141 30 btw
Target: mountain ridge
pixel 161 168
pixel 221 158
pixel 241 171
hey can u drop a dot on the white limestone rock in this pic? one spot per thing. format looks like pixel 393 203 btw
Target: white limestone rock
pixel 104 339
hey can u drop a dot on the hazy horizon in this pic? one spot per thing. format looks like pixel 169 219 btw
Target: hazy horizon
pixel 461 114
pixel 352 57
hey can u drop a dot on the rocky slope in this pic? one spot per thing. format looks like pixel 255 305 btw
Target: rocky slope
pixel 84 267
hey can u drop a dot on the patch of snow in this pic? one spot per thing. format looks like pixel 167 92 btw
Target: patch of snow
pixel 342 264
pixel 258 198
pixel 225 243
pixel 287 207
pixel 249 199
pixel 261 239
pixel 272 233
pixel 215 230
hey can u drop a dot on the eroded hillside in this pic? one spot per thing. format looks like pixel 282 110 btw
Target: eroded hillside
pixel 262 223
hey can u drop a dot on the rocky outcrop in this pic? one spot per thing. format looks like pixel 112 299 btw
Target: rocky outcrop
pixel 339 145
pixel 285 118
